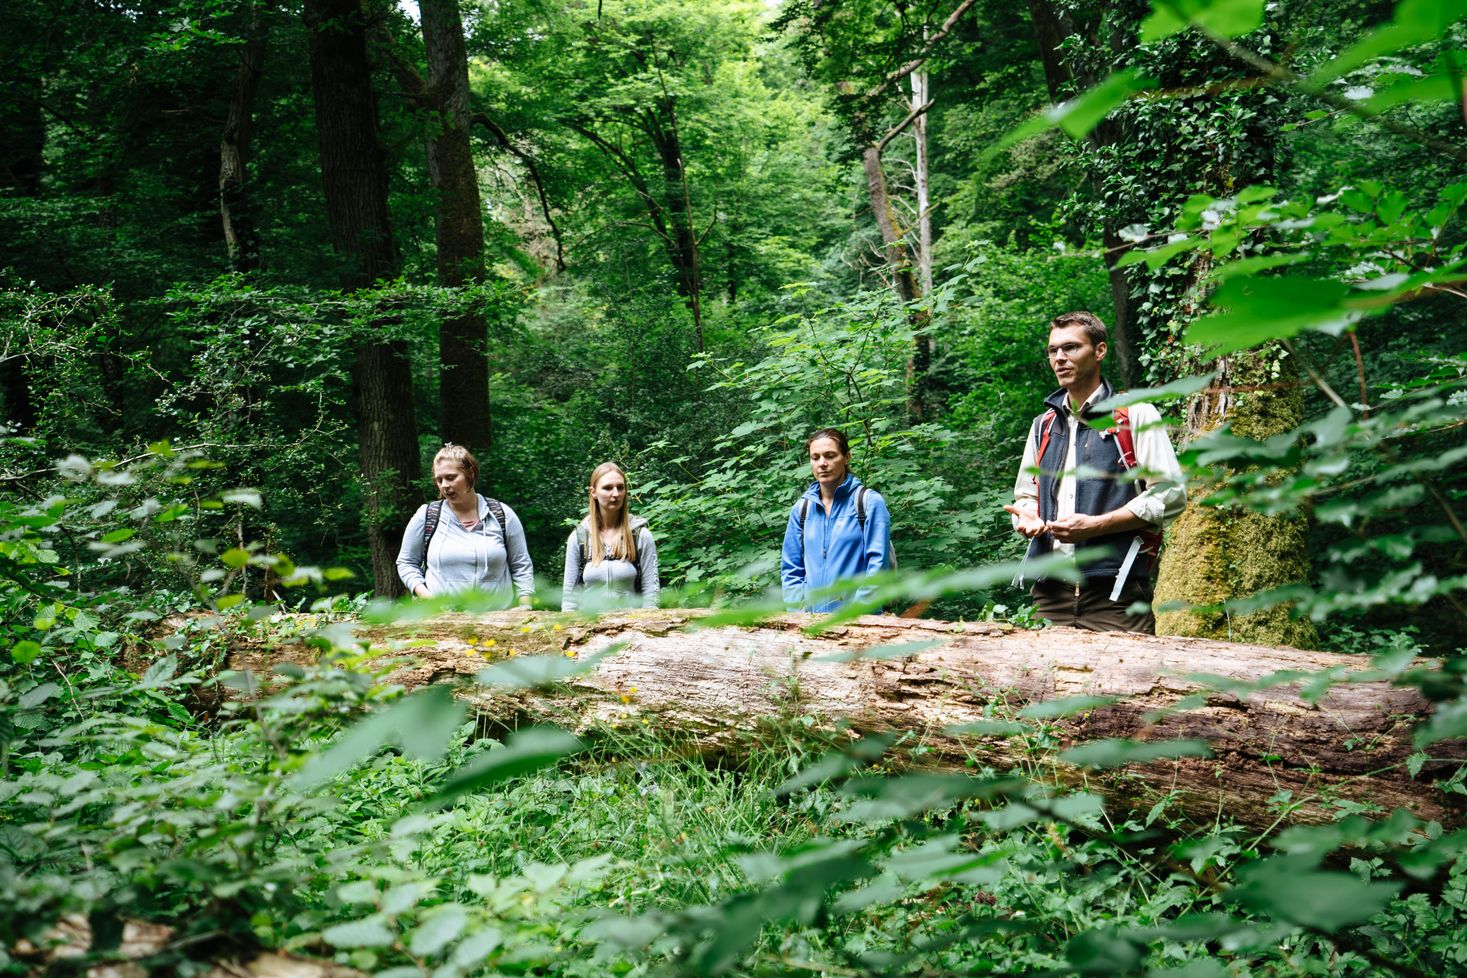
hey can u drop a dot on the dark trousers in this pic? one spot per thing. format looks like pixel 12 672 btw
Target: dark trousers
pixel 1089 605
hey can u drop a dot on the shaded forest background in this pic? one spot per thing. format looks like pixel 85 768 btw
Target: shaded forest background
pixel 313 242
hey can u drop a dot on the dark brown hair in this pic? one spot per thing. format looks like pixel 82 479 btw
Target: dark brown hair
pixel 835 435
pixel 1089 322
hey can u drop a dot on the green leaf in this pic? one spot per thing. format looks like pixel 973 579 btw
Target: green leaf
pixel 38 695
pixel 25 652
pixel 159 672
pixel 443 926
pixel 1174 391
pixel 1198 968
pixel 1289 888
pixel 1257 310
pixel 532 671
pixel 235 557
pixel 1120 751
pixel 1414 22
pixel 423 723
pixel 1103 952
pixel 1080 114
pixel 1065 706
pixel 1154 258
pixel 1448 722
pixel 1083 113
pixel 990 728
pixel 370 932
pixel 901 650
pixel 526 751
pixel 117 536
pixel 1224 18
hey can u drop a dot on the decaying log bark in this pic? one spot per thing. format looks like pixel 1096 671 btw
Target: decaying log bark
pixel 719 683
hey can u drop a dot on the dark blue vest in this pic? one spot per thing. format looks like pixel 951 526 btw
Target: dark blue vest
pixel 1104 488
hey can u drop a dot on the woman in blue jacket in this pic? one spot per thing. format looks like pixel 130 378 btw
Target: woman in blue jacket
pixel 838 530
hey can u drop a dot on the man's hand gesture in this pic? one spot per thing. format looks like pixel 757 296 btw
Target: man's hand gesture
pixel 1027 522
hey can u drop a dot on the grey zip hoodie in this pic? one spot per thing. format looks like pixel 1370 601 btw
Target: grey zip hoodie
pixel 610 581
pixel 488 557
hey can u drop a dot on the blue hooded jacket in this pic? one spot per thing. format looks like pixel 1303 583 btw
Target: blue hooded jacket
pixel 834 548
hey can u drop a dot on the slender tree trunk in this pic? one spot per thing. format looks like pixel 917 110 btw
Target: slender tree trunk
pixel 904 281
pixel 684 247
pixel 924 203
pixel 354 175
pixel 241 233
pixel 463 337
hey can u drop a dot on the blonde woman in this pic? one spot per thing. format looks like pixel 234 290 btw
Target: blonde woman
pixel 464 541
pixel 611 557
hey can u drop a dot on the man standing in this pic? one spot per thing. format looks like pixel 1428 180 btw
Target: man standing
pixel 1100 495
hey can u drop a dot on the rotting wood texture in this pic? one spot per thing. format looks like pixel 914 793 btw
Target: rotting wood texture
pixel 719 683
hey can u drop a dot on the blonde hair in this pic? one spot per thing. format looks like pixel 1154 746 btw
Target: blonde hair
pixel 463 458
pixel 625 547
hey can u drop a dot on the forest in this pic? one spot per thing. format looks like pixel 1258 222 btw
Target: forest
pixel 261 260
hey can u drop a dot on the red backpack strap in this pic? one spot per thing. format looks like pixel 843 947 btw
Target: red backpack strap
pixel 1126 445
pixel 1125 438
pixel 1046 425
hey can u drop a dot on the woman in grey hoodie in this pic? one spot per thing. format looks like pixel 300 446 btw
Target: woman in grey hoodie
pixel 611 558
pixel 464 541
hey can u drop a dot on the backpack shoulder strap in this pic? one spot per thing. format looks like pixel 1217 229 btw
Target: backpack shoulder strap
pixel 583 536
pixel 861 508
pixel 497 509
pixel 800 524
pixel 430 527
pixel 1046 426
pixel 1125 438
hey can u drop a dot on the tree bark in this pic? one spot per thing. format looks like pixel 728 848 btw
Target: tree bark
pixel 463 355
pixel 241 234
pixel 354 175
pixel 904 282
pixel 719 684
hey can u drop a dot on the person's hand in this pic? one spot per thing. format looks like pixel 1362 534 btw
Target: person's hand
pixel 1075 528
pixel 422 591
pixel 524 602
pixel 1027 522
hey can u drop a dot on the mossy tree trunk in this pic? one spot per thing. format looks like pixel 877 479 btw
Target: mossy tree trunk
pixel 1216 553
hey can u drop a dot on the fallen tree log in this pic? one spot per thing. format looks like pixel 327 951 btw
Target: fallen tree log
pixel 1276 756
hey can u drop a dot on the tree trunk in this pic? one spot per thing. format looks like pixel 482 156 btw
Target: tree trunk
pixel 1213 553
pixel 354 175
pixel 241 234
pixel 684 244
pixel 904 281
pixel 462 338
pixel 719 684
pixel 924 203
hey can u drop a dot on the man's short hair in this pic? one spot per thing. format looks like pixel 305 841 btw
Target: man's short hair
pixel 1087 321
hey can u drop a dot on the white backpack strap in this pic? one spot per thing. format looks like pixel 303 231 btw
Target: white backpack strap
pixel 1125 571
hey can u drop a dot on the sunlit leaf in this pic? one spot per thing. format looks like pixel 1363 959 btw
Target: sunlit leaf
pixel 525 751
pixel 1225 18
pixel 1120 751
pixel 1065 706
